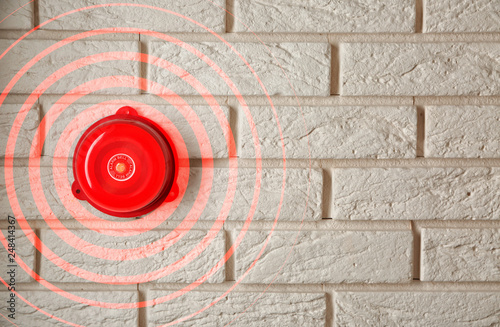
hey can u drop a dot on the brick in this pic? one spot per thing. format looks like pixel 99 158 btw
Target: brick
pixel 26 50
pixel 416 194
pixel 205 114
pixel 270 309
pixel 460 255
pixel 21 186
pixel 24 250
pixel 332 132
pixel 410 69
pixel 306 65
pixel 27 134
pixel 71 311
pixel 19 18
pixel 339 16
pixel 327 257
pixel 302 197
pixel 211 15
pixel 200 265
pixel 462 16
pixel 462 132
pixel 472 309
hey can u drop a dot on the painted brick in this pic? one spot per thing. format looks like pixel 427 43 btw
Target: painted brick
pixel 27 134
pixel 121 266
pixel 327 257
pixel 416 193
pixel 420 69
pixel 302 198
pixel 462 16
pixel 71 311
pixel 462 132
pixel 270 309
pixel 22 190
pixel 474 309
pixel 316 16
pixel 23 249
pixel 332 132
pixel 211 15
pixel 26 50
pixel 209 122
pixel 306 65
pixel 20 19
pixel 460 255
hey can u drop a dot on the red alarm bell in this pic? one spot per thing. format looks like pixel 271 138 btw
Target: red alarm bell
pixel 125 165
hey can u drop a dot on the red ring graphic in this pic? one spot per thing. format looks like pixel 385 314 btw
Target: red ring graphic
pixel 29 106
pixel 106 253
pixel 116 254
pixel 244 108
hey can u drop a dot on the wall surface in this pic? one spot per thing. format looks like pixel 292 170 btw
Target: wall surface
pixel 344 162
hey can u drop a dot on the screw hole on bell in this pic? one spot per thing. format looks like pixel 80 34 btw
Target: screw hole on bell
pixel 78 191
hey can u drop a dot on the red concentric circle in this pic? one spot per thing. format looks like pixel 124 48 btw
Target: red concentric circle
pixel 247 222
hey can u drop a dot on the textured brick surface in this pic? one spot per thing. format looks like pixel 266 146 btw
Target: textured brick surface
pixel 318 16
pixel 23 249
pixel 420 69
pixel 416 193
pixel 271 309
pixel 121 266
pixel 22 190
pixel 27 134
pixel 462 132
pixel 26 50
pixel 186 126
pixel 460 255
pixel 302 196
pixel 332 132
pixel 462 16
pixel 417 309
pixel 163 19
pixel 70 311
pixel 306 65
pixel 327 257
pixel 21 18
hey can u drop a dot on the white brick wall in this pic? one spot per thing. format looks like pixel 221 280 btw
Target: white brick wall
pixel 22 18
pixel 457 255
pixel 390 118
pixel 462 16
pixel 431 308
pixel 336 132
pixel 327 257
pixel 272 309
pixel 325 17
pixel 415 193
pixel 54 304
pixel 127 16
pixel 26 50
pixel 420 69
pixel 124 267
pixel 462 132
pixel 307 67
pixel 27 134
